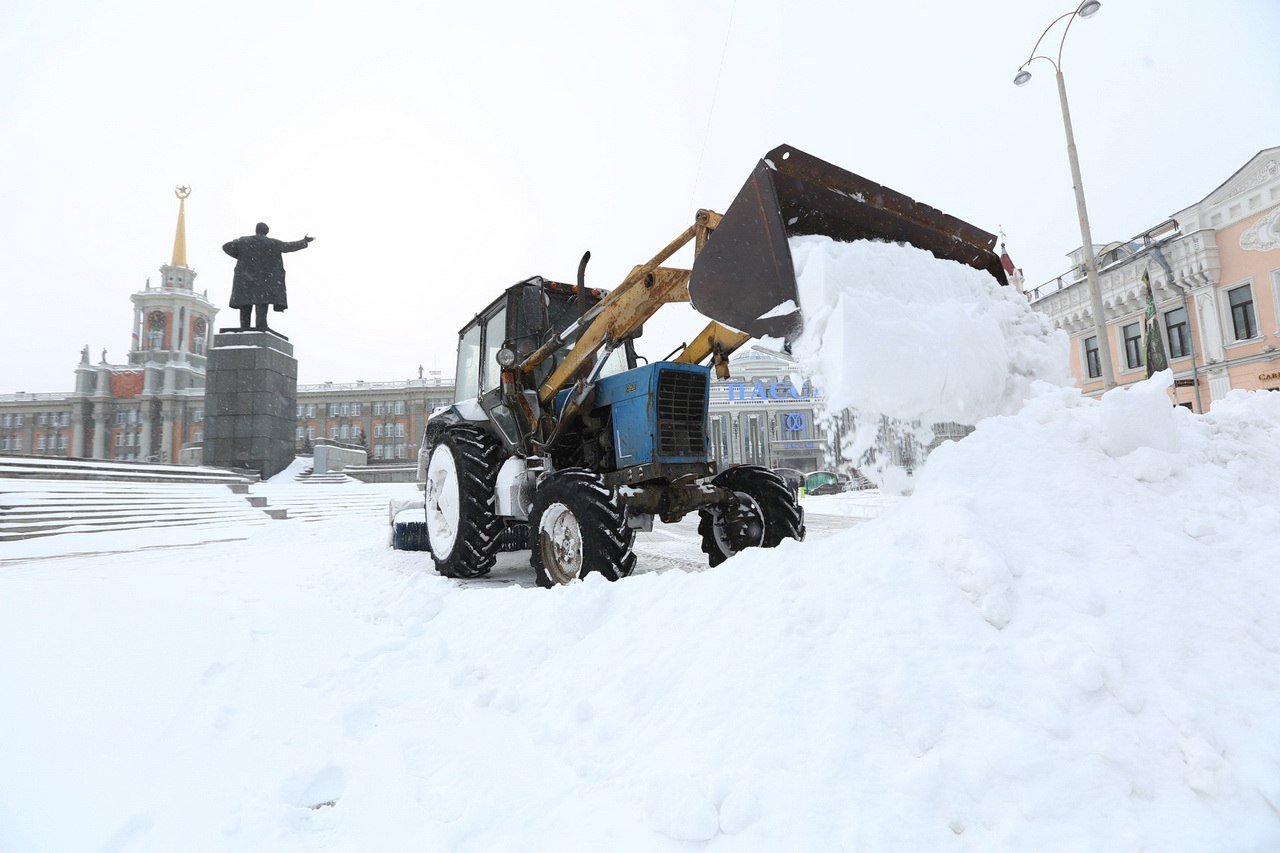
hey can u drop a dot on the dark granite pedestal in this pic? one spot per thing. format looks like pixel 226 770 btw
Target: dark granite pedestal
pixel 250 402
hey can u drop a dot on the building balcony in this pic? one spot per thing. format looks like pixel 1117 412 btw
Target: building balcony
pixel 1192 257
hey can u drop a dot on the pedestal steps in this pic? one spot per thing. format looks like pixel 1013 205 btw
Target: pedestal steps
pixel 319 502
pixel 310 476
pixel 31 507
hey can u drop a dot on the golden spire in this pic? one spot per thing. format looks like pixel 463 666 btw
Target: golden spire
pixel 180 236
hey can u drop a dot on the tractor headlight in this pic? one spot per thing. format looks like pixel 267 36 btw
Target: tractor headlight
pixel 506 358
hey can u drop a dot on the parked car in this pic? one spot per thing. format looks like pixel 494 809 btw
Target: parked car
pixel 830 483
pixel 823 483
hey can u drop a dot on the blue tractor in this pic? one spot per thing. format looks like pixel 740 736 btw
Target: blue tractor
pixel 559 441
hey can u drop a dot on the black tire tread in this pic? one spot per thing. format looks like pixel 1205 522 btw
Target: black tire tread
pixel 783 515
pixel 477 457
pixel 607 540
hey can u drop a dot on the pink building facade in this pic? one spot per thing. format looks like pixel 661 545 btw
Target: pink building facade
pixel 1215 274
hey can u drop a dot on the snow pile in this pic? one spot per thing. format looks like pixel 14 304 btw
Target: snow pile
pixel 1139 416
pixel 1055 644
pixel 893 330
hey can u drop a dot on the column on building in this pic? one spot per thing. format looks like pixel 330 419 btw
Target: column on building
pixel 77 430
pixel 166 432
pixel 144 415
pixel 101 409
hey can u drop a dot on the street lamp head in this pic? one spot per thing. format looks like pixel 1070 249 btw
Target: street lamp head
pixel 1089 8
pixel 1022 77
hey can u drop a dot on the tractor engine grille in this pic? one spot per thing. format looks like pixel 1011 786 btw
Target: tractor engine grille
pixel 682 413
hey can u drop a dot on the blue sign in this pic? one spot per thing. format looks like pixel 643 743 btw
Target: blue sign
pixel 776 391
pixel 794 421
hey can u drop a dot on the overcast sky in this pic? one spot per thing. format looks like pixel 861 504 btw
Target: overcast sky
pixel 441 151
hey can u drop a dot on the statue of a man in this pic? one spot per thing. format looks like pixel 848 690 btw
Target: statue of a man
pixel 259 277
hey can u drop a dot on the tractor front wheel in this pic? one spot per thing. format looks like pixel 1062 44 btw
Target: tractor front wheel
pixel 577 526
pixel 766 494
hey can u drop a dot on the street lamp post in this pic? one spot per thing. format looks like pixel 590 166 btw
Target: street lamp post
pixel 1086 9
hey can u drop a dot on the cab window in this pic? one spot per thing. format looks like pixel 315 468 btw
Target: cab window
pixel 495 333
pixel 467 384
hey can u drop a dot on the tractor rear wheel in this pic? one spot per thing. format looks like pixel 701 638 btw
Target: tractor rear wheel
pixel 462 530
pixel 577 526
pixel 768 494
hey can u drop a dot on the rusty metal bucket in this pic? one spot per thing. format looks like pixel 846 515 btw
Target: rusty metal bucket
pixel 745 270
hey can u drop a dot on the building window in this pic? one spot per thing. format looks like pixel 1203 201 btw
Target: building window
pixel 120 418
pixel 399 430
pixel 377 452
pixel 1242 316
pixel 399 407
pixel 377 430
pixel 199 435
pixel 301 410
pixel 40 443
pixel 333 432
pixel 333 410
pixel 66 419
pixel 1132 335
pixel 42 419
pixel 62 442
pixel 1175 322
pixel 311 433
pixel 377 409
pixel 1092 363
pixel 17 422
pixel 345 432
pixel 198 416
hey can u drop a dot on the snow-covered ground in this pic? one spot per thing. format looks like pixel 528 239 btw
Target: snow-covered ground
pixel 1067 638
pixel 1048 646
pixel 863 503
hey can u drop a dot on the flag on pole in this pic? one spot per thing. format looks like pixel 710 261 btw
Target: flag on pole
pixel 1154 344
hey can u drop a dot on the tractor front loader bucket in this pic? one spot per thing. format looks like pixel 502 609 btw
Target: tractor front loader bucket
pixel 744 276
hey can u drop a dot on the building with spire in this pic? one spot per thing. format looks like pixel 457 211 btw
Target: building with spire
pixel 151 407
pixel 144 409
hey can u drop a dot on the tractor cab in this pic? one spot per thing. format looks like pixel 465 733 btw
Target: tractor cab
pixel 522 319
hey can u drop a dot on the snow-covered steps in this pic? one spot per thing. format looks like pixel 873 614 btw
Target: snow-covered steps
pixel 320 501
pixel 31 508
pixel 333 477
pixel 383 473
pixel 40 468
